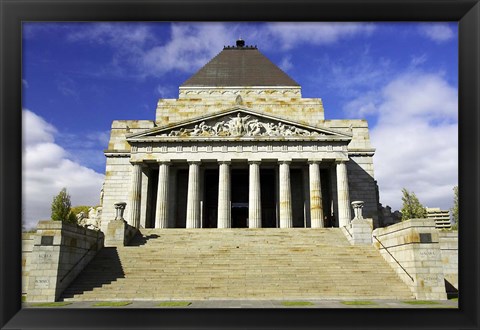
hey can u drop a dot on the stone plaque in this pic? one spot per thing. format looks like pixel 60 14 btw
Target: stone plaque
pixel 426 238
pixel 47 240
pixel 42 283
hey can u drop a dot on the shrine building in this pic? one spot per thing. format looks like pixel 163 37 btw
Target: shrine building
pixel 239 148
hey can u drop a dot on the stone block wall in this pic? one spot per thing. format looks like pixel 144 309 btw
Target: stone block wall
pixel 60 252
pixel 415 245
pixel 27 247
pixel 117 188
pixel 281 102
pixel 449 251
pixel 362 185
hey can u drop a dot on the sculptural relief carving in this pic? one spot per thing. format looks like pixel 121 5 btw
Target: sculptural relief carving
pixel 242 126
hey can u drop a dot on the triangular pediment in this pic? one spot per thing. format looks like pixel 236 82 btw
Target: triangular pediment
pixel 238 122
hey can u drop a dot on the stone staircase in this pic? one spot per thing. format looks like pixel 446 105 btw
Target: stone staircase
pixel 198 264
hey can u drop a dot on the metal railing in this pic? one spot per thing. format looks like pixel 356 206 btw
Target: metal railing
pixel 348 231
pixel 386 249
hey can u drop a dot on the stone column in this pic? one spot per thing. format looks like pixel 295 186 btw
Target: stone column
pixel 193 201
pixel 285 196
pixel 316 208
pixel 224 211
pixel 161 213
pixel 344 215
pixel 254 197
pixel 135 195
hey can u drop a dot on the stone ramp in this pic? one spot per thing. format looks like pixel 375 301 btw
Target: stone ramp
pixel 198 264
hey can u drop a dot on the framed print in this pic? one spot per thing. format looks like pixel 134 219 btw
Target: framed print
pixel 217 120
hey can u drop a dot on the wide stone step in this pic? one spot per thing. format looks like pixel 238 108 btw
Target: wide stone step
pixel 238 264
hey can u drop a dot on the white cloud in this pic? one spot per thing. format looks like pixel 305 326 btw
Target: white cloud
pixel 47 169
pixel 190 47
pixel 286 63
pixel 294 34
pixel 416 138
pixel 438 32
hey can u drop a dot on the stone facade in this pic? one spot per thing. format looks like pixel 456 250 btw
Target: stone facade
pixel 239 156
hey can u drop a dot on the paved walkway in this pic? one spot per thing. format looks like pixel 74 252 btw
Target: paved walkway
pixel 308 303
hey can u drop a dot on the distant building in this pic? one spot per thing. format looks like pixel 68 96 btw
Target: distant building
pixel 441 217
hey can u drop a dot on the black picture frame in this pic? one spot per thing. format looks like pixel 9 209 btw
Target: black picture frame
pixel 14 12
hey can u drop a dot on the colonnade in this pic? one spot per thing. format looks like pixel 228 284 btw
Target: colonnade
pixel 193 216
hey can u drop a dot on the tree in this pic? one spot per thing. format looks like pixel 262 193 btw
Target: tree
pixel 454 209
pixel 412 208
pixel 81 208
pixel 61 207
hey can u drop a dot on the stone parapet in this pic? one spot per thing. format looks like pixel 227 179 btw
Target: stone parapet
pixel 60 252
pixel 27 247
pixel 415 245
pixel 449 250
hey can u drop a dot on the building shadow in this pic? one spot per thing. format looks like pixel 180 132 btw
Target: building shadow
pixel 452 292
pixel 139 239
pixel 105 268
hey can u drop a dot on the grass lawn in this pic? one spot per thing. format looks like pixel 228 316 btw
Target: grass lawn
pixel 52 304
pixel 113 303
pixel 174 304
pixel 358 302
pixel 297 303
pixel 420 302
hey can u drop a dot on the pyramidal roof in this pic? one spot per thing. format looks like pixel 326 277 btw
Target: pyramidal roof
pixel 239 65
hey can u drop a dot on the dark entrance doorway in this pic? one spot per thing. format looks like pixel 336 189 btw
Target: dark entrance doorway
pixel 210 193
pixel 269 196
pixel 239 195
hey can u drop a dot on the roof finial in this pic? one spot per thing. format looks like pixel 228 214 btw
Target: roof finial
pixel 240 42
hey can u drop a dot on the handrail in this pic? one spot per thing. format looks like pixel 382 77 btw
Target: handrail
pixel 84 255
pixel 348 231
pixel 393 258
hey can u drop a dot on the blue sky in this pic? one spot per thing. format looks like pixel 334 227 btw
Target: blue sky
pixel 79 77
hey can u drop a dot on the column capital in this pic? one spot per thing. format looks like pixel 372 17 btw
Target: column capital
pixel 164 162
pixel 226 162
pixel 314 161
pixel 194 162
pixel 341 161
pixel 254 162
pixel 286 162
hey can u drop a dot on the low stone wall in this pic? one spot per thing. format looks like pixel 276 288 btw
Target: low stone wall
pixel 415 245
pixel 60 252
pixel 27 247
pixel 449 250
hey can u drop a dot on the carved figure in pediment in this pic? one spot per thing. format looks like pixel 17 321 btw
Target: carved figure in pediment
pixel 218 128
pixel 254 127
pixel 237 125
